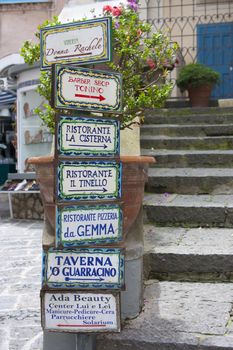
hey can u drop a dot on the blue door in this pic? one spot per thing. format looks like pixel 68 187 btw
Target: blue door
pixel 215 49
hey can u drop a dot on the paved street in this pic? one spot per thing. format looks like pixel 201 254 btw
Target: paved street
pixel 176 315
pixel 20 275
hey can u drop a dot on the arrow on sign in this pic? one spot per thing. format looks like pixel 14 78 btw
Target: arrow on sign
pixel 100 97
pixel 78 54
pixel 94 190
pixel 81 325
pixel 83 279
pixel 102 146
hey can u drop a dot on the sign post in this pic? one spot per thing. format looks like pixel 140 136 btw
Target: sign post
pixel 88 253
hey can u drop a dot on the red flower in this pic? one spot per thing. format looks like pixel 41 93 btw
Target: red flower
pixel 107 8
pixel 150 63
pixel 116 11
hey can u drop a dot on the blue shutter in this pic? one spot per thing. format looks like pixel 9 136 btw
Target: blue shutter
pixel 215 49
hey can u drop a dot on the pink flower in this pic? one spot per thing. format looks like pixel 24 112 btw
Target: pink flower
pixel 139 33
pixel 116 11
pixel 150 63
pixel 107 8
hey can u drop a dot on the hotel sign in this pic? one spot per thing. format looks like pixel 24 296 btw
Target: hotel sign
pixel 78 42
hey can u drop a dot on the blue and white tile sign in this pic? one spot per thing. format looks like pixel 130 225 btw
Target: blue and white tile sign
pixel 87 89
pixel 76 311
pixel 93 268
pixel 83 42
pixel 79 136
pixel 86 225
pixel 89 180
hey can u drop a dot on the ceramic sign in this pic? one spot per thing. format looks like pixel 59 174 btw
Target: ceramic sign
pixel 79 136
pixel 83 225
pixel 78 42
pixel 87 90
pixel 80 311
pixel 92 268
pixel 89 180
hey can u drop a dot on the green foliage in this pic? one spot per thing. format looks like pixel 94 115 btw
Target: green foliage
pixel 47 114
pixel 142 57
pixel 196 74
pixel 31 54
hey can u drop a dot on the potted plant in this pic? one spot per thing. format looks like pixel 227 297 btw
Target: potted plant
pixel 199 81
pixel 138 56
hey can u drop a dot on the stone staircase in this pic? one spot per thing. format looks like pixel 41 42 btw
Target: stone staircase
pixel 188 234
pixel 190 205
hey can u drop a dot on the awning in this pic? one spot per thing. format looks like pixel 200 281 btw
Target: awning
pixel 7 98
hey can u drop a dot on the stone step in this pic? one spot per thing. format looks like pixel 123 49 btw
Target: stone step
pixel 189 116
pixel 189 210
pixel 190 158
pixel 187 130
pixel 175 253
pixel 199 143
pixel 190 180
pixel 178 316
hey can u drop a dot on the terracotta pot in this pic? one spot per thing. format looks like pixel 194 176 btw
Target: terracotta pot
pixel 133 182
pixel 200 96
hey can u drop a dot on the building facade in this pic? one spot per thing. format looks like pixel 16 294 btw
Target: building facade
pixel 202 28
pixel 204 31
pixel 19 20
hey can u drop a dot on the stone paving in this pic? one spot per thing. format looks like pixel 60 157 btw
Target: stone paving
pixel 20 276
pixel 199 316
pixel 178 316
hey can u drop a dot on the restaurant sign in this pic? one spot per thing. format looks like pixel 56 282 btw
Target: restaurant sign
pixel 90 268
pixel 89 224
pixel 78 136
pixel 89 180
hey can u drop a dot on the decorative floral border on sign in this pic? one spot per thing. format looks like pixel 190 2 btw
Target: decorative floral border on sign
pixel 92 150
pixel 87 241
pixel 105 23
pixel 62 103
pixel 46 274
pixel 90 194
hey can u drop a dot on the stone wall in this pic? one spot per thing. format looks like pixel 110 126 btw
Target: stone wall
pixel 18 22
pixel 27 206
